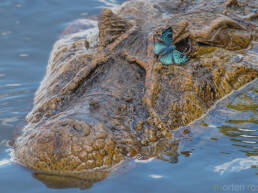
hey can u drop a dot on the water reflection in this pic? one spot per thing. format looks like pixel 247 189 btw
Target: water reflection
pixel 4 162
pixel 243 132
pixel 82 181
pixel 237 165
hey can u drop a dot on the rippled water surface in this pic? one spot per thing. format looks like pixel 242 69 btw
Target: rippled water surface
pixel 220 154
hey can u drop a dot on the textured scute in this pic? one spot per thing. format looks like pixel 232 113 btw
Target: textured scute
pixel 106 98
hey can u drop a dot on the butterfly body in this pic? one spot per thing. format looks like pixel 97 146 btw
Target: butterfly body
pixel 170 48
pixel 168 52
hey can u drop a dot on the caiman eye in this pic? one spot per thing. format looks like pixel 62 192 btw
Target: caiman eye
pixel 184 45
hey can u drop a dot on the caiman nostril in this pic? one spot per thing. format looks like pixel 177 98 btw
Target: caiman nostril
pixel 81 128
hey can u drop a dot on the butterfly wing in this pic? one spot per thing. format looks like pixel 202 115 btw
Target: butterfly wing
pixel 167 59
pixel 179 58
pixel 159 47
pixel 167 36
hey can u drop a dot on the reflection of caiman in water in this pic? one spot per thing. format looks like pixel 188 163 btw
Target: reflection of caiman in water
pixel 107 98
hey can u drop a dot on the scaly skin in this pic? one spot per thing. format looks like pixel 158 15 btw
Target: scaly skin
pixel 106 98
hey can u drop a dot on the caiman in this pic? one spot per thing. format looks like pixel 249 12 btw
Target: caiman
pixel 106 97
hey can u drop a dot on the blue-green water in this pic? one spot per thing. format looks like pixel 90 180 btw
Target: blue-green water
pixel 219 155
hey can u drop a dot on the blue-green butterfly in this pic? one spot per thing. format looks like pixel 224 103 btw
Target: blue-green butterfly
pixel 168 52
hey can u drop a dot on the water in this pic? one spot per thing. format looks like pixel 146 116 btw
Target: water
pixel 220 154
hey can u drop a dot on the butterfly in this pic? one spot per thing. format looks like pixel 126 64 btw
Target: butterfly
pixel 168 52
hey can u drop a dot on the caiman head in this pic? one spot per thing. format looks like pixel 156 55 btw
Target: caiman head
pixel 107 98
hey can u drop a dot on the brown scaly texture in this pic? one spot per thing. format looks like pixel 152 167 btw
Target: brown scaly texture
pixel 106 97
